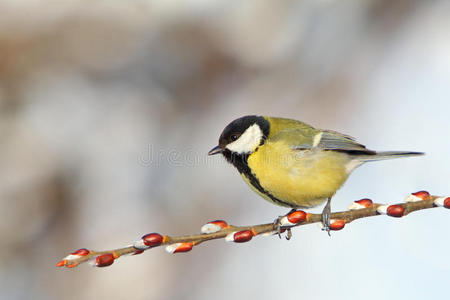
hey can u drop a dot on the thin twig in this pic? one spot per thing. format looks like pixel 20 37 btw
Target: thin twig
pixel 220 229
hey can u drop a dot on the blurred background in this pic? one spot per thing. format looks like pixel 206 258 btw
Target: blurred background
pixel 108 108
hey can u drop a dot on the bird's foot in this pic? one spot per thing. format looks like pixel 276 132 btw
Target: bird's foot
pixel 326 213
pixel 279 230
pixel 288 234
pixel 277 226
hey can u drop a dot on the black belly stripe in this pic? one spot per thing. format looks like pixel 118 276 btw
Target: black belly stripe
pixel 241 164
pixel 255 182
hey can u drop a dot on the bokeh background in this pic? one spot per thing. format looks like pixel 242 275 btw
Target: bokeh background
pixel 108 108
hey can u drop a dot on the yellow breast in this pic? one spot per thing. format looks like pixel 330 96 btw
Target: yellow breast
pixel 301 178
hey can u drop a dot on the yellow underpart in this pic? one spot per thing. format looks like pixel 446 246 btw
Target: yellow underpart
pixel 301 178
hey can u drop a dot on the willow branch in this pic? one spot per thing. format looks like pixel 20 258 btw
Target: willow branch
pixel 221 230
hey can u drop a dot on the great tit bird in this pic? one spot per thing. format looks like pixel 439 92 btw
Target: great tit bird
pixel 293 164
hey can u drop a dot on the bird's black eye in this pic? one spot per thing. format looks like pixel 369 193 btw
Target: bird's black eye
pixel 234 137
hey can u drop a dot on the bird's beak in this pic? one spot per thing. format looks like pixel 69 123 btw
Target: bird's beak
pixel 215 150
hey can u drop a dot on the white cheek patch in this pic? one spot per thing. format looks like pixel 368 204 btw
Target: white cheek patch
pixel 248 141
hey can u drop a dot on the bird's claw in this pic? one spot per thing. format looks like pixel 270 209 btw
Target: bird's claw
pixel 326 213
pixel 279 230
pixel 326 222
pixel 327 229
pixel 288 234
pixel 277 226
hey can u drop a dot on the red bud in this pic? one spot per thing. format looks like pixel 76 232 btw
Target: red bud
pixel 337 225
pixel 424 195
pixel 104 260
pixel 296 216
pixel 220 223
pixel 365 202
pixel 395 210
pixel 61 263
pixel 152 239
pixel 184 247
pixel 243 236
pixel 447 202
pixel 81 252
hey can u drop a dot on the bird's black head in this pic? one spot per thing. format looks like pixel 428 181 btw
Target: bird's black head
pixel 242 136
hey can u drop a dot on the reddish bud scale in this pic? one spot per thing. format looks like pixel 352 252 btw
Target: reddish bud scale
pixel 61 263
pixel 104 260
pixel 184 247
pixel 447 202
pixel 337 225
pixel 138 252
pixel 213 226
pixel 220 223
pixel 243 236
pixel 296 216
pixel 395 210
pixel 424 195
pixel 365 202
pixel 81 252
pixel 152 239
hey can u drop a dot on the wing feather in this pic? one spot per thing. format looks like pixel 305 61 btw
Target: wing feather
pixel 302 139
pixel 332 140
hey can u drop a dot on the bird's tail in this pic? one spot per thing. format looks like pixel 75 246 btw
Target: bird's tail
pixel 388 155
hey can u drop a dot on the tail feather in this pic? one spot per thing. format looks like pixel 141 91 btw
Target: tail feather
pixel 388 155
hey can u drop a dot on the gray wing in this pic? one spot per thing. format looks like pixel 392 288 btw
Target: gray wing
pixel 331 140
